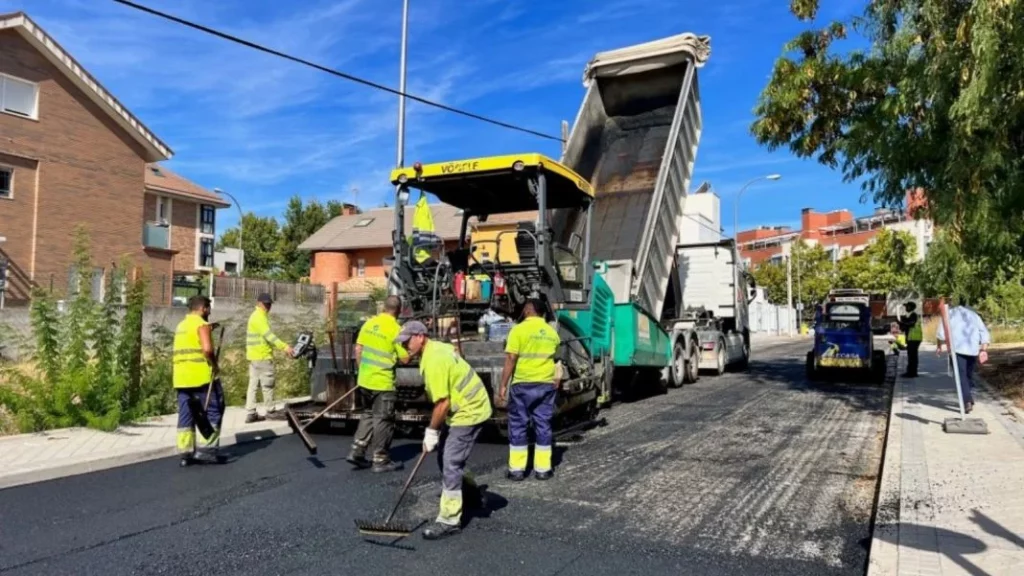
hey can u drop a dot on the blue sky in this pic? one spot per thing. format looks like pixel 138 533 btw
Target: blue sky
pixel 265 129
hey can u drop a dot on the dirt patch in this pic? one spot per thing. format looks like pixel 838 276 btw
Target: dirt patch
pixel 1004 371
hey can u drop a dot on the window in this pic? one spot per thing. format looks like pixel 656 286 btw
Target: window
pixel 206 252
pixel 360 267
pixel 162 209
pixel 18 97
pixel 206 218
pixel 6 182
pixel 364 222
pixel 230 267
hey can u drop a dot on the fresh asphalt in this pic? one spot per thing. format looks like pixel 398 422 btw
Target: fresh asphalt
pixel 748 473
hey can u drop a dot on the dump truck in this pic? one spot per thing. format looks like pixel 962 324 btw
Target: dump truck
pixel 602 251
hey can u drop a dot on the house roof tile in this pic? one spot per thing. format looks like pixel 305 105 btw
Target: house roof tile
pixel 162 180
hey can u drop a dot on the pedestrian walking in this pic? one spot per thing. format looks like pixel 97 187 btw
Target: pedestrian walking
pixel 376 354
pixel 194 367
pixel 910 326
pixel 530 365
pixel 260 342
pixel 461 407
pixel 970 347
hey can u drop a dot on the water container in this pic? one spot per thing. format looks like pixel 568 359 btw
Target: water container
pixel 485 290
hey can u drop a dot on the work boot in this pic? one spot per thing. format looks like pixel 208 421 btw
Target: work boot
pixel 386 466
pixel 253 417
pixel 546 475
pixel 358 460
pixel 516 475
pixel 436 531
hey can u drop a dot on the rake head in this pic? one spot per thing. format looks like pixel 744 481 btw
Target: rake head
pixel 293 423
pixel 396 529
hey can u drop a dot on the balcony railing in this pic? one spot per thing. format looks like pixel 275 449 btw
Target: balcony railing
pixel 156 236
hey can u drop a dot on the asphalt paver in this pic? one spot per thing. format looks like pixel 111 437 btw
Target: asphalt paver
pixel 755 472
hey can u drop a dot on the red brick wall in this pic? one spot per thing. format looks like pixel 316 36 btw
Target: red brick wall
pixel 16 225
pixel 90 171
pixel 329 267
pixel 184 222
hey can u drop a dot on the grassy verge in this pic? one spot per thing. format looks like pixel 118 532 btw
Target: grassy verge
pixel 1005 371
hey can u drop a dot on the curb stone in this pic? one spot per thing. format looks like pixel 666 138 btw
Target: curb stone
pixel 42 474
pixel 883 555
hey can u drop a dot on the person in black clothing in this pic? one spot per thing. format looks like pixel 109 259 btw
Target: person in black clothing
pixel 910 324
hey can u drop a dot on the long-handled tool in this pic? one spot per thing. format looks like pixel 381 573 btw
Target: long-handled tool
pixel 300 430
pixel 199 411
pixel 387 528
pixel 293 421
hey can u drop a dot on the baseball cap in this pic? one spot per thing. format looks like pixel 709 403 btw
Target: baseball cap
pixel 264 298
pixel 410 329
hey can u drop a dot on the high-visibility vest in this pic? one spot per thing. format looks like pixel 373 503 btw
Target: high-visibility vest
pixel 379 353
pixel 916 334
pixel 422 221
pixel 189 364
pixel 447 375
pixel 535 343
pixel 259 337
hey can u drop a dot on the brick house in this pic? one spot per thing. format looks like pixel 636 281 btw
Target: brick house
pixel 839 232
pixel 351 248
pixel 71 154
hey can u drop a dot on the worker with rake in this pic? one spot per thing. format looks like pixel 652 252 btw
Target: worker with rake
pixel 194 369
pixel 461 406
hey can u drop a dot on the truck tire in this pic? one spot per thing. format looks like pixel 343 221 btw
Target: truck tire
pixel 720 359
pixel 744 362
pixel 692 362
pixel 812 374
pixel 677 370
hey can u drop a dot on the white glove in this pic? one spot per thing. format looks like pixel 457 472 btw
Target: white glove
pixel 430 439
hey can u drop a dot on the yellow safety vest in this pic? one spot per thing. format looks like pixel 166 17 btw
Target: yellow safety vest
pixel 259 337
pixel 422 221
pixel 380 353
pixel 535 343
pixel 447 375
pixel 190 366
pixel 916 333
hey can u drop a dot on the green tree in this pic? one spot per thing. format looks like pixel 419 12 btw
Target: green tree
pixel 260 244
pixel 885 265
pixel 300 222
pixel 811 270
pixel 936 101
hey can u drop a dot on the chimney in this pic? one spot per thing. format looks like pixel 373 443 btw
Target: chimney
pixel 350 209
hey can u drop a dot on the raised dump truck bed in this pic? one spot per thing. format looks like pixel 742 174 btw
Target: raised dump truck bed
pixel 635 139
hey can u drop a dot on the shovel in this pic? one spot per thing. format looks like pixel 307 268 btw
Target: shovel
pixel 200 414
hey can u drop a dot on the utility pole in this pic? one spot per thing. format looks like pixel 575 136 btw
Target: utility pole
pixel 399 208
pixel 789 293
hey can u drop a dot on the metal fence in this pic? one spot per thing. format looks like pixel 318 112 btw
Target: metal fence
pixel 772 318
pixel 249 289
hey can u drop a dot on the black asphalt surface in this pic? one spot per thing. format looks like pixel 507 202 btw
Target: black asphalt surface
pixel 748 473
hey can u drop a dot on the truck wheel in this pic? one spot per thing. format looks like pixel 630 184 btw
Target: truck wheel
pixel 812 374
pixel 692 362
pixel 677 371
pixel 720 363
pixel 744 361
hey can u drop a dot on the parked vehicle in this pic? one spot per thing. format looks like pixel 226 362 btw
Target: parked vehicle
pixel 843 339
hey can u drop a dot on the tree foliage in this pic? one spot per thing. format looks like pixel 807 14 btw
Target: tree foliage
pixel 272 250
pixel 936 101
pixel 812 275
pixel 887 264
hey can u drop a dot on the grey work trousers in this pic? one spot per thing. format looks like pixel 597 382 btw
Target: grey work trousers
pixel 261 375
pixel 377 428
pixel 457 484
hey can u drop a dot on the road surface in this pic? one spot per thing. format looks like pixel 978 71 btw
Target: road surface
pixel 748 473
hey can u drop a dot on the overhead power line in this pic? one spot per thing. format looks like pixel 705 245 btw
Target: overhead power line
pixel 334 72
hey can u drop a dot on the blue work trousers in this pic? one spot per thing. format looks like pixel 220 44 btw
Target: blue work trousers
pixel 529 401
pixel 186 437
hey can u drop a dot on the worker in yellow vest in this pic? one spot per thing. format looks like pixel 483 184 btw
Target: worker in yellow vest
pixel 194 368
pixel 376 354
pixel 461 407
pixel 910 325
pixel 530 365
pixel 422 225
pixel 260 342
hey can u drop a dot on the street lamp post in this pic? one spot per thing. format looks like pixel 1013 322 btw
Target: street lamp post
pixel 241 228
pixel 399 208
pixel 736 227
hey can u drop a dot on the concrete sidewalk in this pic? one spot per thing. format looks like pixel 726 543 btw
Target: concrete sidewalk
pixel 29 458
pixel 949 503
